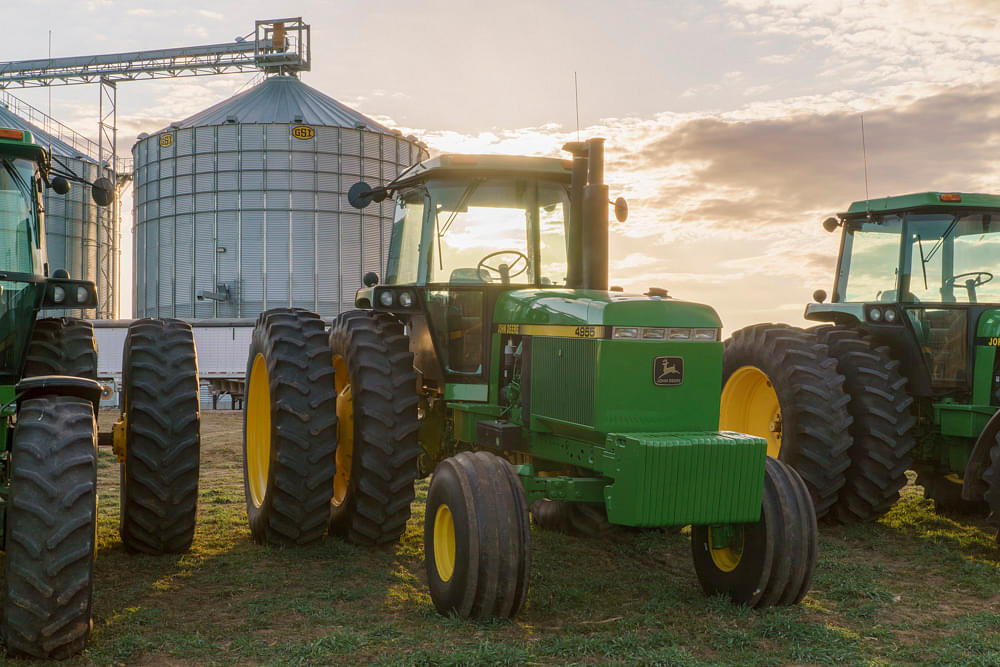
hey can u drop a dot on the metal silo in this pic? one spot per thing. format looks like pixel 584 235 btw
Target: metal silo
pixel 243 206
pixel 78 233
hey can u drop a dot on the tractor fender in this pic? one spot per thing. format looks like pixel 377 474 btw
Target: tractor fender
pixel 973 486
pixel 59 385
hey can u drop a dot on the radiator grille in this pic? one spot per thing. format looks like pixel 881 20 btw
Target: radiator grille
pixel 562 379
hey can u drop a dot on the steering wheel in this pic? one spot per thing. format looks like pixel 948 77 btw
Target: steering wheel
pixel 504 270
pixel 979 279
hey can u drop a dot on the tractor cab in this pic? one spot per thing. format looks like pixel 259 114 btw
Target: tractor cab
pixel 917 271
pixel 25 286
pixel 469 228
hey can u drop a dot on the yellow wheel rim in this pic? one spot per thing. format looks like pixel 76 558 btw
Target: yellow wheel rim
pixel 444 543
pixel 258 437
pixel 345 429
pixel 728 557
pixel 750 405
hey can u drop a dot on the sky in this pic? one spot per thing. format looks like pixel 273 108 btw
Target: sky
pixel 733 127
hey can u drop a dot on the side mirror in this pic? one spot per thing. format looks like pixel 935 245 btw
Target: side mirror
pixel 59 185
pixel 819 296
pixel 102 191
pixel 370 279
pixel 621 209
pixel 831 224
pixel 361 194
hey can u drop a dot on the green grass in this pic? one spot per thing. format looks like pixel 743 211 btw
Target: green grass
pixel 914 587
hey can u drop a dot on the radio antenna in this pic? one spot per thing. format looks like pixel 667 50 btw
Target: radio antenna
pixel 864 157
pixel 576 95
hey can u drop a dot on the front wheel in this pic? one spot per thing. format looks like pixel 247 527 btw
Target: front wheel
pixel 767 563
pixel 50 528
pixel 477 537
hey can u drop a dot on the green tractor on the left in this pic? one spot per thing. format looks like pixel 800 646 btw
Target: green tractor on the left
pixel 49 397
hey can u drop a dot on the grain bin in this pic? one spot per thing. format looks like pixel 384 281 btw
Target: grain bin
pixel 243 207
pixel 78 233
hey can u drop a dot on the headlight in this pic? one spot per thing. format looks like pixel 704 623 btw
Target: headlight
pixel 385 298
pixel 679 334
pixel 890 315
pixel 405 299
pixel 654 333
pixel 875 315
pixel 706 334
pixel 82 296
pixel 625 332
pixel 58 294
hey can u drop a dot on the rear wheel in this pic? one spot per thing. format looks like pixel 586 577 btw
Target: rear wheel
pixel 376 430
pixel 779 383
pixel 62 346
pixel 881 433
pixel 162 430
pixel 477 549
pixel 289 428
pixel 572 518
pixel 767 563
pixel 992 479
pixel 51 522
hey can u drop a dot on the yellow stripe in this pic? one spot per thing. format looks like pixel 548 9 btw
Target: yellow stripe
pixel 556 330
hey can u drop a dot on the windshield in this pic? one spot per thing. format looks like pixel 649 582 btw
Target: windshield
pixel 19 248
pixel 480 231
pixel 947 257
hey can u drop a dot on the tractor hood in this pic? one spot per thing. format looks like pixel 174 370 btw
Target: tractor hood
pixel 594 307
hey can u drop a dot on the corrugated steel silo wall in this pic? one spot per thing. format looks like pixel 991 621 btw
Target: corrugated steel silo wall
pixel 261 211
pixel 79 237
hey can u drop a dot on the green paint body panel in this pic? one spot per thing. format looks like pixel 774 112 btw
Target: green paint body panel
pixel 675 479
pixel 965 421
pixel 922 200
pixel 590 307
pixel 466 392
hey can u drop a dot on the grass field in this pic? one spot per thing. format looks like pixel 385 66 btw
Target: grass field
pixel 913 588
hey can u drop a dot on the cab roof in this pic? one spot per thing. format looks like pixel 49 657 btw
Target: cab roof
pixel 454 164
pixel 923 200
pixel 19 143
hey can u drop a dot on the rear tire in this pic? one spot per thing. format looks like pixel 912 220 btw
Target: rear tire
pixel 51 522
pixel 882 437
pixel 768 563
pixel 289 428
pixel 572 518
pixel 992 479
pixel 62 346
pixel 159 479
pixel 377 427
pixel 477 537
pixel 780 383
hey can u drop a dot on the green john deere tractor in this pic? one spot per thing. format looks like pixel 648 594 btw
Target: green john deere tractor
pixel 49 396
pixel 494 357
pixel 905 375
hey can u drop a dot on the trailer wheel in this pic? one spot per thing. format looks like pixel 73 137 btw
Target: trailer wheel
pixel 50 528
pixel 376 430
pixel 767 563
pixel 477 550
pixel 162 420
pixel 992 479
pixel 289 428
pixel 572 518
pixel 882 431
pixel 779 383
pixel 62 346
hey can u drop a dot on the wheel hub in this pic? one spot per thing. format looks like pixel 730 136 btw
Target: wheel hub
pixel 444 543
pixel 258 430
pixel 750 405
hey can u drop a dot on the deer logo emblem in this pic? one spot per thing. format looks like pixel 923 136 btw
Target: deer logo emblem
pixel 668 371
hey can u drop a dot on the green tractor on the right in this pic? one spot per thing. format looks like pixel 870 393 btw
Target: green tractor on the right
pixel 904 372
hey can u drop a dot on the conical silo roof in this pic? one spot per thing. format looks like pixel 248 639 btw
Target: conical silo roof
pixel 282 99
pixel 60 148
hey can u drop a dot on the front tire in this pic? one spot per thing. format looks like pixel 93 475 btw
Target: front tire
pixel 50 525
pixel 377 426
pixel 289 429
pixel 768 563
pixel 477 534
pixel 779 383
pixel 159 479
